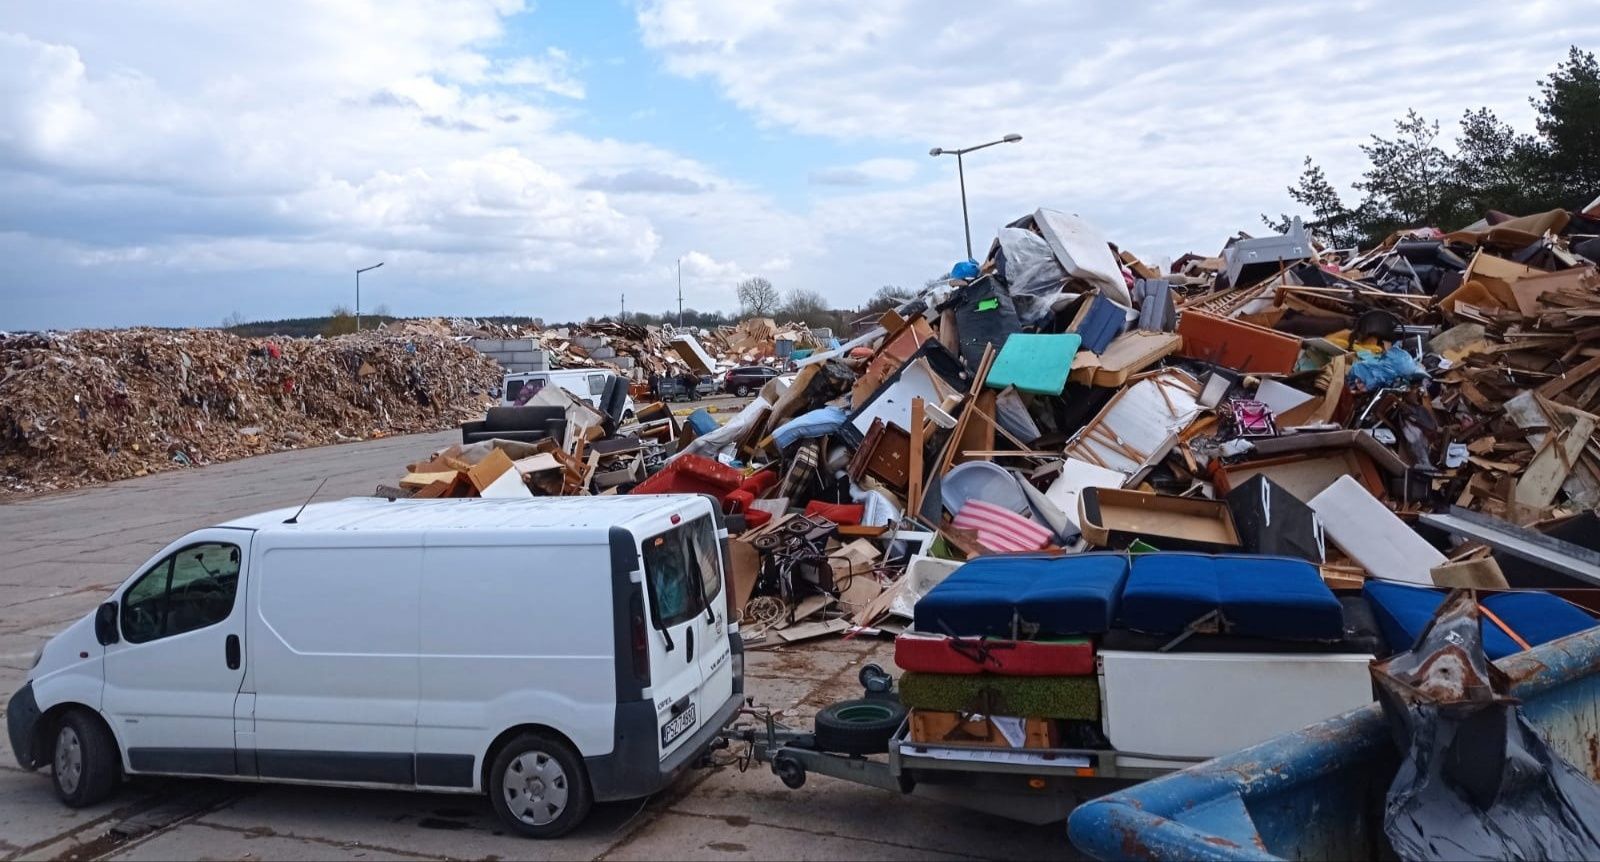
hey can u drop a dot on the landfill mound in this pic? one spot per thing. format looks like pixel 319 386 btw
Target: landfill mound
pixel 90 406
pixel 1395 416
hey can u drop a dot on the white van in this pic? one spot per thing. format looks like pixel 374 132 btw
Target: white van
pixel 585 384
pixel 551 652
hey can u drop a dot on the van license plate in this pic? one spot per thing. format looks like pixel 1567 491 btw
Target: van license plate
pixel 675 728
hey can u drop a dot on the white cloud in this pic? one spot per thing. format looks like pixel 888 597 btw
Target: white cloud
pixel 866 173
pixel 1169 124
pixel 552 72
pixel 161 142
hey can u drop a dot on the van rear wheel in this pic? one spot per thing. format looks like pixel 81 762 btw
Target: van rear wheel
pixel 539 787
pixel 84 760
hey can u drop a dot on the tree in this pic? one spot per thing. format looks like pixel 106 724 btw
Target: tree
pixel 234 319
pixel 1569 122
pixel 808 307
pixel 1497 168
pixel 757 297
pixel 1409 181
pixel 1330 219
pixel 340 321
pixel 889 296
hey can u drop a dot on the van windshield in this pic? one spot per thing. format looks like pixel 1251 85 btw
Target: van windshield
pixel 682 568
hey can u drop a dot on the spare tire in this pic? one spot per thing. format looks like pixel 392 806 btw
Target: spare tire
pixel 858 726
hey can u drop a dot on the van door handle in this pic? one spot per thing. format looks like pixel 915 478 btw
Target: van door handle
pixel 688 644
pixel 231 650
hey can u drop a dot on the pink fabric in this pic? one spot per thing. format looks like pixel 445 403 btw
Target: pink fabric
pixel 1000 529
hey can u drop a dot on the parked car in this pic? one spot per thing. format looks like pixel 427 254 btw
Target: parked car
pixel 573 650
pixel 747 379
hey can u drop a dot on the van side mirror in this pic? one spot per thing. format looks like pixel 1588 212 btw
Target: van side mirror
pixel 105 624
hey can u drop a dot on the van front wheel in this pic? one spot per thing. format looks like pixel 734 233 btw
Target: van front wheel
pixel 84 760
pixel 539 787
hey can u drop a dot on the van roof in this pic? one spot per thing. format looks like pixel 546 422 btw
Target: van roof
pixel 543 513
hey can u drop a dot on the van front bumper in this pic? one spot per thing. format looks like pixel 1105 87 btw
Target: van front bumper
pixel 633 769
pixel 22 720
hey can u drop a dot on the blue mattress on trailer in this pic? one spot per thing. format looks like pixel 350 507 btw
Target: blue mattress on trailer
pixel 1027 595
pixel 1403 611
pixel 1266 597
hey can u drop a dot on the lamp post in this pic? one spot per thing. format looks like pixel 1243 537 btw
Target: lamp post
pixel 358 291
pixel 962 172
pixel 680 293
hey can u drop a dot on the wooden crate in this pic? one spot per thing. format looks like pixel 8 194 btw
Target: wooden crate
pixel 932 727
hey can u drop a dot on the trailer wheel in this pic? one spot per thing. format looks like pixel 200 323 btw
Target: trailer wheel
pixel 790 771
pixel 858 726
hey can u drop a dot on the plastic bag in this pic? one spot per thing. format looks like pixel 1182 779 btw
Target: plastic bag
pixel 1393 367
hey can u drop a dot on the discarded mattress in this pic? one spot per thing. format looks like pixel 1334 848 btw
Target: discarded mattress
pixel 1264 597
pixel 1034 595
pixel 939 654
pixel 1403 611
pixel 1072 697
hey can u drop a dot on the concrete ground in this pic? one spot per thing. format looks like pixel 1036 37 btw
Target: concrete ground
pixel 61 554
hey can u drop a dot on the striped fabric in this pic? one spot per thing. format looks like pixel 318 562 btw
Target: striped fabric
pixel 1000 529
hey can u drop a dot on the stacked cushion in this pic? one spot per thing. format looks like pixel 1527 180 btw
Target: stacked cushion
pixel 1265 597
pixel 1028 594
pixel 1069 697
pixel 939 654
pixel 1403 611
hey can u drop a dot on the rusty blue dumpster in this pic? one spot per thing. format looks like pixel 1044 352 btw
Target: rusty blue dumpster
pixel 1318 793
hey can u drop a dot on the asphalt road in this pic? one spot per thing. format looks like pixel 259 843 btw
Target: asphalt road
pixel 61 554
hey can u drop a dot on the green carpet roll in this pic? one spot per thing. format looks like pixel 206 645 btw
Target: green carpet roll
pixel 1076 697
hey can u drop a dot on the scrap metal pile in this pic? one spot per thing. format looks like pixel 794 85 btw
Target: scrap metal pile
pixel 1280 398
pixel 87 406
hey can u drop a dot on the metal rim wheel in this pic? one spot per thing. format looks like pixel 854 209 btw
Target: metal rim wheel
pixel 741 391
pixel 536 788
pixel 85 759
pixel 69 760
pixel 538 785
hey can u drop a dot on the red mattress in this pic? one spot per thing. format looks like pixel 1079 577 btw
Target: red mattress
pixel 940 654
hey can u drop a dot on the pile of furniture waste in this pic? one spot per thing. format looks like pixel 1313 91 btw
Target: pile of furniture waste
pixel 1065 451
pixel 85 406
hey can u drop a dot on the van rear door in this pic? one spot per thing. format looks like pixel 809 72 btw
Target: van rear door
pixel 716 656
pixel 676 602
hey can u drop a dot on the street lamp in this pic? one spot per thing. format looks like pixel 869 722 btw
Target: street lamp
pixel 358 292
pixel 961 170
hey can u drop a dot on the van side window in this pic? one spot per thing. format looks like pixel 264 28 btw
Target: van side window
pixel 597 384
pixel 681 567
pixel 188 590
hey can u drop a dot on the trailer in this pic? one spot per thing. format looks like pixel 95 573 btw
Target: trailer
pixel 1030 785
pixel 1228 700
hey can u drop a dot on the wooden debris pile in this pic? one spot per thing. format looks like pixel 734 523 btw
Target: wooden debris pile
pixel 86 406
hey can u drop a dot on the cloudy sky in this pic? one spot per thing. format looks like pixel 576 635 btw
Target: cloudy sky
pixel 176 161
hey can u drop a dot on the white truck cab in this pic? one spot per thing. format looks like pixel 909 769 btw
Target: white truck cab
pixel 550 652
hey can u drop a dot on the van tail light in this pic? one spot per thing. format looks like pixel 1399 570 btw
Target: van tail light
pixel 639 638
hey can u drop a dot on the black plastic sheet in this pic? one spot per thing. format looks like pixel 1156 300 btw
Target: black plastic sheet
pixel 1477 780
